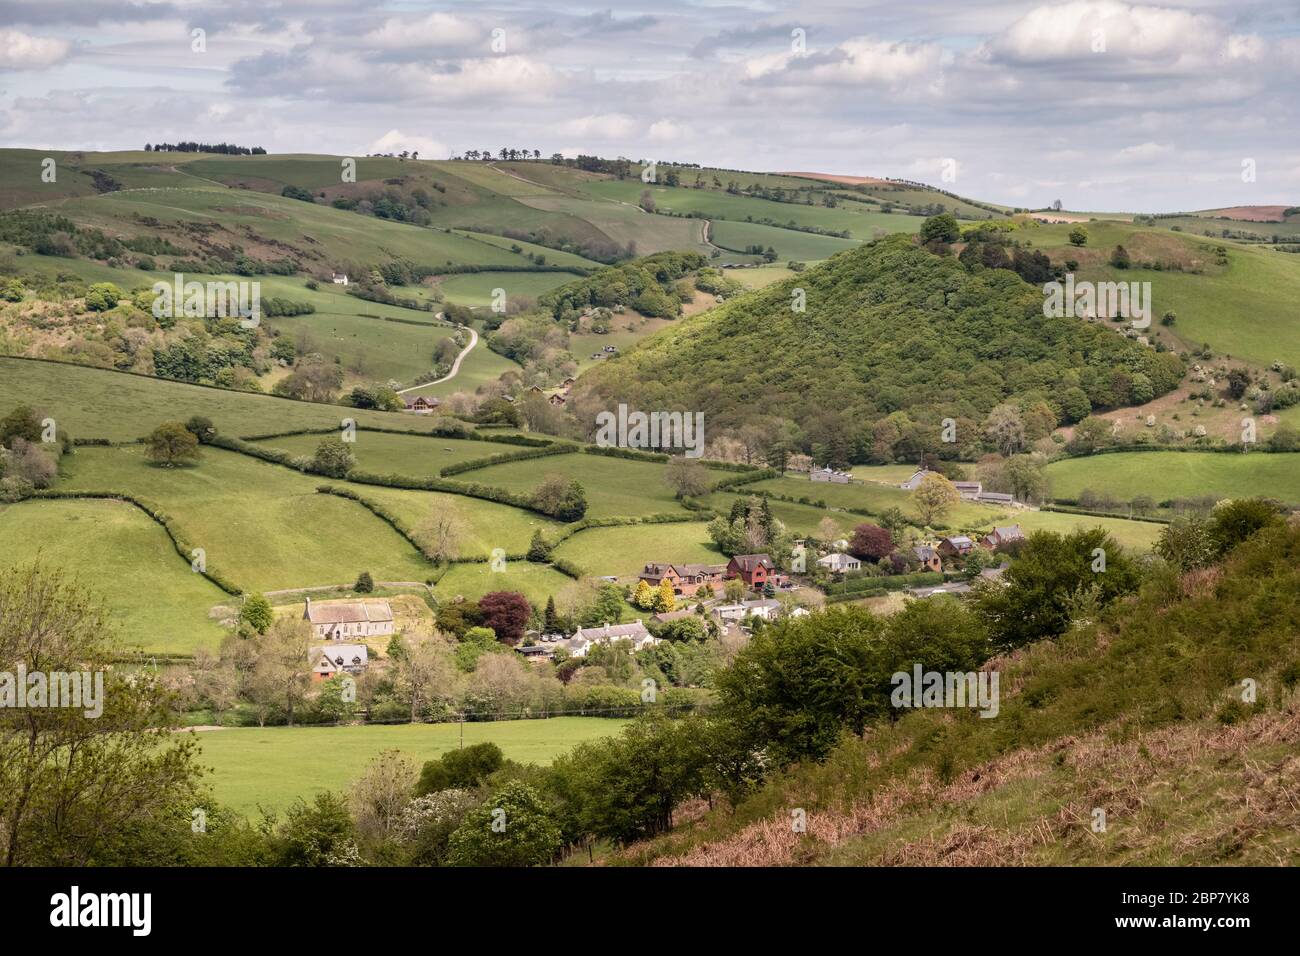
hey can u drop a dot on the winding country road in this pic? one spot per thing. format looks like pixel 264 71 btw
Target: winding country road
pixel 455 366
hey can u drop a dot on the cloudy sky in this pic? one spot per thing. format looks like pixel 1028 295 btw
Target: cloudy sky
pixel 1103 104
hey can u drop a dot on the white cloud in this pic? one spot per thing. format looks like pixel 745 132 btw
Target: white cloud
pixel 668 131
pixel 437 31
pixel 394 141
pixel 22 51
pixel 599 126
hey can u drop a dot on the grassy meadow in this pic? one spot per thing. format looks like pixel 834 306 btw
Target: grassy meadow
pixel 274 766
pixel 626 549
pixel 261 525
pixel 156 603
pixel 1168 475
pixel 99 403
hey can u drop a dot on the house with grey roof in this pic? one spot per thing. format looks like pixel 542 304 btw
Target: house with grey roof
pixel 584 638
pixel 336 659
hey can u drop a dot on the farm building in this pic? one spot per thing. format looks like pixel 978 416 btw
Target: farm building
pixel 914 481
pixel 968 489
pixel 830 475
pixel 337 621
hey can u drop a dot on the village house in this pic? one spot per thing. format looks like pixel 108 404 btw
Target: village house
pixel 755 570
pixel 766 610
pixel 557 400
pixel 683 578
pixel 1000 536
pixel 838 563
pixel 928 557
pixel 568 383
pixel 585 637
pixel 914 481
pixel 339 278
pixel 337 622
pixel 829 474
pixel 955 546
pixel 338 659
pixel 422 405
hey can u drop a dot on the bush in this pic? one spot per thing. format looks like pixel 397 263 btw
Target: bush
pixel 460 769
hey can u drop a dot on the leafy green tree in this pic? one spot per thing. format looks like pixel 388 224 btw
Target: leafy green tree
pixel 317 834
pixel 941 228
pixel 625 788
pixel 1234 521
pixel 1185 543
pixel 462 769
pixel 1078 236
pixel 171 443
pixel 515 827
pixel 23 422
pixel 102 296
pixel 333 458
pixel 539 549
pixel 201 428
pixel 257 613
pixel 1050 577
pixel 364 583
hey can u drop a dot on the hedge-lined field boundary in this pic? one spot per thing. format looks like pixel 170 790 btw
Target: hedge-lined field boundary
pixel 183 547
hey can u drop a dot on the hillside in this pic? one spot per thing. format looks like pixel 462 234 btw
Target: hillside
pixel 1139 715
pixel 887 328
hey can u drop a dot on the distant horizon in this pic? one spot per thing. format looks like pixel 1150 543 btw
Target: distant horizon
pixel 771 172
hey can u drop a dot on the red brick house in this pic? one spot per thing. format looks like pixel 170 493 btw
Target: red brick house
pixel 755 570
pixel 955 546
pixel 684 578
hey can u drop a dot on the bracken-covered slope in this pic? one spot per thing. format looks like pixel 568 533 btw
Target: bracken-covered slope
pixel 887 327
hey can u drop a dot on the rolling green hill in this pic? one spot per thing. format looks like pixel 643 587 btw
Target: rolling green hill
pixel 887 327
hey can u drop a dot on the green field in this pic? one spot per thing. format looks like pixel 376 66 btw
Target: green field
pixel 383 453
pixel 614 486
pixel 340 236
pixel 261 525
pixel 368 348
pixel 99 403
pixel 627 549
pixel 787 243
pixel 869 496
pixel 117 551
pixel 1242 309
pixel 799 519
pixel 475 288
pixel 272 767
pixel 536 582
pixel 1137 535
pixel 1167 475
pixel 719 205
pixel 479 367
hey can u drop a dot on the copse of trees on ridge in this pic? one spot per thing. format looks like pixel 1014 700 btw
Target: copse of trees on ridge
pixel 189 146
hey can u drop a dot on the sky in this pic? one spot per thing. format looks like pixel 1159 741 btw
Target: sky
pixel 1104 105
